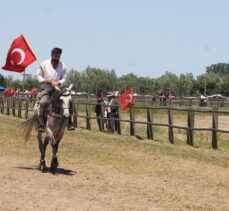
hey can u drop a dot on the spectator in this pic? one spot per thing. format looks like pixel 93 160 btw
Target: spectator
pixel 170 99
pixel 105 122
pixel 112 113
pixel 203 101
pixel 161 99
pixel 164 98
pixel 154 99
pixel 99 110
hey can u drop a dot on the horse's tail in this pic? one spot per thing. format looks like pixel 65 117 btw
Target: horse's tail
pixel 27 127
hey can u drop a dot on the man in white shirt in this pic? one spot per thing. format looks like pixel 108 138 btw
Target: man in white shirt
pixel 52 74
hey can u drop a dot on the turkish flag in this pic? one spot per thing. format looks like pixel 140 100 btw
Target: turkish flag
pixel 126 99
pixel 34 90
pixel 19 56
pixel 9 92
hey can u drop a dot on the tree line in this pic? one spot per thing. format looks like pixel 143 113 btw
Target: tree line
pixel 214 81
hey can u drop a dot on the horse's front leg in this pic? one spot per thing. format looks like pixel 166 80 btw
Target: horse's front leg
pixel 54 162
pixel 55 139
pixel 42 147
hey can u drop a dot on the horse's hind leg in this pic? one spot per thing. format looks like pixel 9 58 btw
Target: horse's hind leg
pixel 42 147
pixel 54 162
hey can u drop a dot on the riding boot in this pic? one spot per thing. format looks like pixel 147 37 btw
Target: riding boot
pixel 41 125
pixel 70 124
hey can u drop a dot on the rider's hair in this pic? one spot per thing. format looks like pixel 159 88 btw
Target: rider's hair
pixel 56 50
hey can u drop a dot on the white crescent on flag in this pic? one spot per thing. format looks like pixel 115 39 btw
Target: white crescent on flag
pixel 22 53
pixel 129 98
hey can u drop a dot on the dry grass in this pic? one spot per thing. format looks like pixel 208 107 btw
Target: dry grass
pixel 111 172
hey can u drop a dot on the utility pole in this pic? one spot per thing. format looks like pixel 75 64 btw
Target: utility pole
pixel 23 82
pixel 170 89
pixel 205 86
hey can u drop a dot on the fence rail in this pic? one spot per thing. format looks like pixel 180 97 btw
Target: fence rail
pixel 23 108
pixel 177 101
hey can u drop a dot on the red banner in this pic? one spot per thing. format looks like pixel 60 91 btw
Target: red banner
pixel 9 92
pixel 126 99
pixel 19 56
pixel 34 90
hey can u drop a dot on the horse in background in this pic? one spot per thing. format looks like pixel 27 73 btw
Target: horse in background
pixel 56 119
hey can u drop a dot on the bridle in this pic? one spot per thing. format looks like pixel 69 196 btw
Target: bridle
pixel 60 110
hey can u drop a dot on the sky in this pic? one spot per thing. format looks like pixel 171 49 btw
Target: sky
pixel 144 37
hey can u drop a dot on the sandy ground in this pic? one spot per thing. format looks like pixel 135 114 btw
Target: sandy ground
pixel 97 187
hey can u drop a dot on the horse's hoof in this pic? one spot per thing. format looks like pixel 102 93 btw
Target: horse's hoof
pixel 42 166
pixel 54 164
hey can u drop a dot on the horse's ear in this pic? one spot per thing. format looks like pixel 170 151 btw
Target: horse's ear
pixel 70 87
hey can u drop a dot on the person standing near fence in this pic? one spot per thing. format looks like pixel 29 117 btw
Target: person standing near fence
pixel 99 110
pixel 112 113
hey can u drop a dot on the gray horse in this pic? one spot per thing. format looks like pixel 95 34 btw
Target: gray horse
pixel 56 121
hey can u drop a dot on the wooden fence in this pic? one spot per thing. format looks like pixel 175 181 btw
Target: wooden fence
pixel 23 108
pixel 178 101
pixel 148 100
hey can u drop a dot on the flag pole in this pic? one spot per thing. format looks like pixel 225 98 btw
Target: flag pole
pixel 42 68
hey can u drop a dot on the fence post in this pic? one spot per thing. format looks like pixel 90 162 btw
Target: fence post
pixel 13 107
pixel 88 117
pixel 214 127
pixel 19 108
pixel 8 106
pixel 101 120
pixel 26 108
pixel 132 119
pixel 190 136
pixel 170 121
pixel 75 114
pixel 2 105
pixel 149 125
pixel 119 131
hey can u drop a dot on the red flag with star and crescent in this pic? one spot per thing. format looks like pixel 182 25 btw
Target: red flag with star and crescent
pixel 126 99
pixel 19 56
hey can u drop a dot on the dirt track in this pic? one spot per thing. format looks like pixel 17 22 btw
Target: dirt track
pixel 107 172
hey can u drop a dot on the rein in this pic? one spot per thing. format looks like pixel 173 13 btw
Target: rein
pixel 60 113
pixel 58 132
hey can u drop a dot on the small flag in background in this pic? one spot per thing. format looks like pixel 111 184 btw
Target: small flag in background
pixel 126 99
pixel 34 90
pixel 9 92
pixel 19 56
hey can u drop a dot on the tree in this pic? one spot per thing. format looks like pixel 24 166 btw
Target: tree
pixel 127 81
pixel 168 83
pixel 95 79
pixel 225 88
pixel 185 84
pixel 220 69
pixel 2 80
pixel 74 77
pixel 209 83
pixel 9 80
pixel 30 82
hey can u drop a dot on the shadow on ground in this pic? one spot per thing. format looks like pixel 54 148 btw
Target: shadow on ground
pixel 62 171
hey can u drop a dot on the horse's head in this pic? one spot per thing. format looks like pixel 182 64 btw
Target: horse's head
pixel 61 101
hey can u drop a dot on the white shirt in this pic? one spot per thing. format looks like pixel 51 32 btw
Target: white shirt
pixel 58 74
pixel 109 106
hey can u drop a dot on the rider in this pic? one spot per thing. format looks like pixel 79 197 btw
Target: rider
pixel 52 73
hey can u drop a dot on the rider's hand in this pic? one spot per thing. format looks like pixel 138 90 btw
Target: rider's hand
pixel 55 83
pixel 46 81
